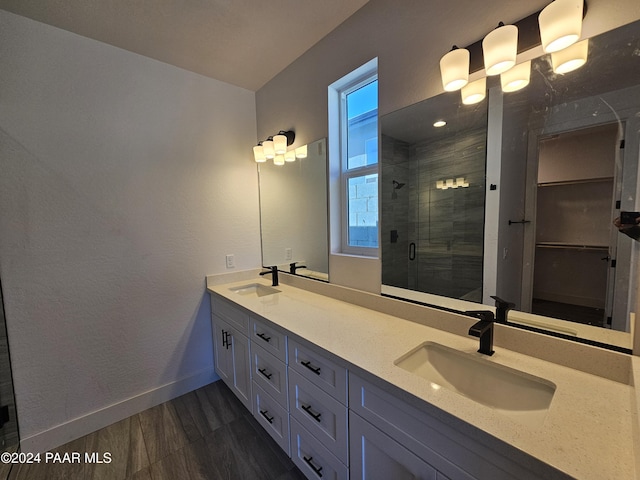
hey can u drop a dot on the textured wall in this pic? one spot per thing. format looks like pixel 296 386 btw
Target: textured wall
pixel 118 194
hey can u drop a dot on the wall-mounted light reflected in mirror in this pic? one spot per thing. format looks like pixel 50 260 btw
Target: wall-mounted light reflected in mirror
pixel 570 58
pixel 474 92
pixel 516 78
pixel 439 123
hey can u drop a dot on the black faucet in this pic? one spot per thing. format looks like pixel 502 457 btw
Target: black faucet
pixel 293 267
pixel 483 329
pixel 273 271
pixel 502 308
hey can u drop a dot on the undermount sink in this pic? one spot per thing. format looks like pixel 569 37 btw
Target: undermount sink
pixel 256 289
pixel 521 396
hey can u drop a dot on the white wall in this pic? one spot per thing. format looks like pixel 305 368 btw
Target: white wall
pixel 119 193
pixel 408 39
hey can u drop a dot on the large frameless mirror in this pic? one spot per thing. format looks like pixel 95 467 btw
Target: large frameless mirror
pixel 293 213
pixel 567 149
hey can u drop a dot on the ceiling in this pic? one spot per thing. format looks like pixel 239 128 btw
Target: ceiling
pixel 241 42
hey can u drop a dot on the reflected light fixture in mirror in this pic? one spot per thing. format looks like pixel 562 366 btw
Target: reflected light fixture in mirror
pixel 560 24
pixel 500 49
pixel 474 92
pixel 278 160
pixel 439 123
pixel 570 58
pixel 290 156
pixel 516 78
pixel 301 152
pixel 454 69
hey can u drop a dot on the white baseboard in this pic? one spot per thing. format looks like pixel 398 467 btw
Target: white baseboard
pixel 78 427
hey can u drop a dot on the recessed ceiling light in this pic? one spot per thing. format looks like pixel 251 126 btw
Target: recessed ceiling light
pixel 439 123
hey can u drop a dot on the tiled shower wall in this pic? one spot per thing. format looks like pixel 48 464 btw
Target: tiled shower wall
pixel 447 226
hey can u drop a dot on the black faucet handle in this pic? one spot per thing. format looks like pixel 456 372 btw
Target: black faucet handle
pixel 500 303
pixel 484 315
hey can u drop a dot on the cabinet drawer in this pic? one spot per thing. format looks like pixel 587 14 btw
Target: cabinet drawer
pixel 376 455
pixel 270 373
pixel 269 338
pixel 273 418
pixel 446 449
pixel 322 372
pixel 312 457
pixel 322 415
pixel 233 315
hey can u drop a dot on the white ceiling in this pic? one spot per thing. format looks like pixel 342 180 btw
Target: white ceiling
pixel 241 42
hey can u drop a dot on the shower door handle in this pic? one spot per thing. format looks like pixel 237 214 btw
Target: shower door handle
pixel 412 251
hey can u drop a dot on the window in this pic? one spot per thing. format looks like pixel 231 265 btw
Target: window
pixel 357 130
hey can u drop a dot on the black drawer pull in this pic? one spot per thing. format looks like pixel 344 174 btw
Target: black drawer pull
pixel 317 470
pixel 315 416
pixel 263 336
pixel 264 373
pixel 315 370
pixel 265 414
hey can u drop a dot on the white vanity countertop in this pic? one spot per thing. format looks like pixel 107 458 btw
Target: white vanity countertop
pixel 591 428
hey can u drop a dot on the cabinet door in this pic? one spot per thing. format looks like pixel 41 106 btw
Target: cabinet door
pixel 221 355
pixel 232 359
pixel 239 346
pixel 374 455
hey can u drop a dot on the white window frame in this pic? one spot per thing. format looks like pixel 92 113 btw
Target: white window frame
pixel 339 174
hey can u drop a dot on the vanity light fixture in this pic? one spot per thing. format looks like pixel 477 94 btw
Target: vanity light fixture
pixel 454 69
pixel 439 123
pixel 516 78
pixel 555 28
pixel 301 152
pixel 500 49
pixel 571 58
pixel 258 154
pixel 290 156
pixel 273 146
pixel 267 148
pixel 458 182
pixel 278 160
pixel 280 144
pixel 560 24
pixel 474 92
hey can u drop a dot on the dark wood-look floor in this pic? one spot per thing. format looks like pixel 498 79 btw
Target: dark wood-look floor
pixel 566 311
pixel 205 434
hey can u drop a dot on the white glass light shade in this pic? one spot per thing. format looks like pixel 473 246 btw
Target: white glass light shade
pixel 500 48
pixel 267 147
pixel 278 160
pixel 258 154
pixel 301 152
pixel 440 184
pixel 560 24
pixel 454 69
pixel 516 78
pixel 280 144
pixel 474 92
pixel 290 156
pixel 449 183
pixel 570 58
